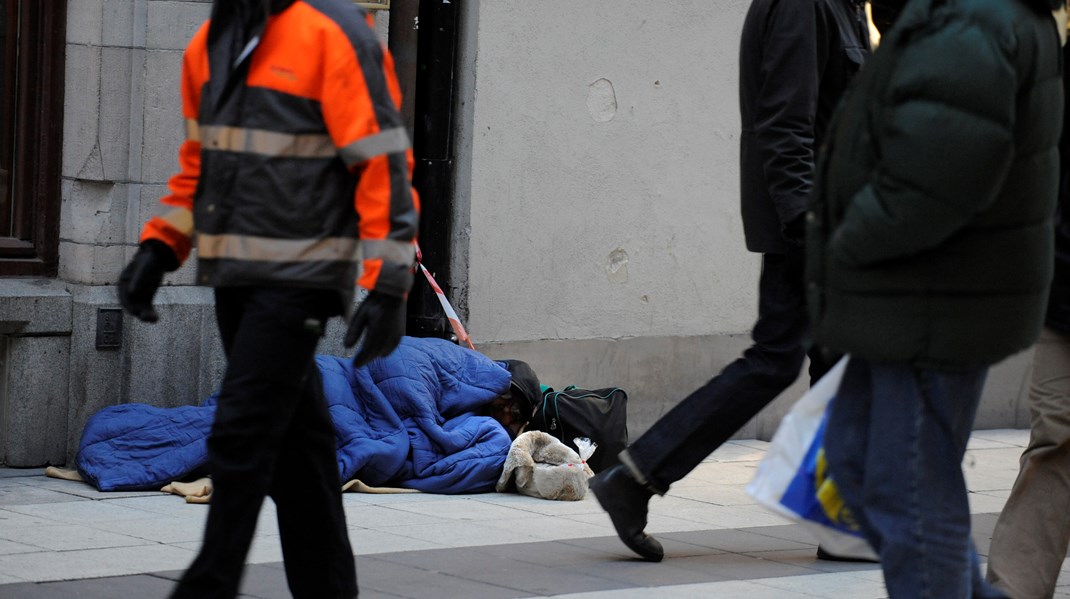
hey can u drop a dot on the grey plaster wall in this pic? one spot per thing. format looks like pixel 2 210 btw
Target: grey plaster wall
pixel 597 171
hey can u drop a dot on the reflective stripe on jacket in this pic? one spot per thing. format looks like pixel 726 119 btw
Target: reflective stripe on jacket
pixel 275 161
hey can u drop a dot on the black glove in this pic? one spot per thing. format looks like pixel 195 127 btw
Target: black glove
pixel 141 278
pixel 794 231
pixel 381 319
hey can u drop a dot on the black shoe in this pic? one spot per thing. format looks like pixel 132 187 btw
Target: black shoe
pixel 832 557
pixel 626 501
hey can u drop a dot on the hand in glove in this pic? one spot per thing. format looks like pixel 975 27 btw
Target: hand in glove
pixel 141 278
pixel 381 320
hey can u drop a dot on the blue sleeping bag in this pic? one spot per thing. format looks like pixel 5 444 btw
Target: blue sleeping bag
pixel 406 420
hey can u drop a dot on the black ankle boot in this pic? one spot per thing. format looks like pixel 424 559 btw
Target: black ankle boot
pixel 626 502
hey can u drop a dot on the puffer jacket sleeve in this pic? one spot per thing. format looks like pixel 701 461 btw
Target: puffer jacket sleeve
pixel 945 142
pixel 360 99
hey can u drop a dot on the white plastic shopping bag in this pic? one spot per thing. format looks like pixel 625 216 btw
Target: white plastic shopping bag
pixel 793 479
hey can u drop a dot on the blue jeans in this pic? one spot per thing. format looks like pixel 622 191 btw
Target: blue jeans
pixel 895 441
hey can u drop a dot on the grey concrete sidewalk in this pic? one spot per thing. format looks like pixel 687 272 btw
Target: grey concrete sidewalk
pixel 64 539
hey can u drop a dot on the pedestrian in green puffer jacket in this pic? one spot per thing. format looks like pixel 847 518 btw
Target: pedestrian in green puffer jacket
pixel 929 249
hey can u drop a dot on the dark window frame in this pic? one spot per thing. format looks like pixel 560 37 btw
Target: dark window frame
pixel 31 246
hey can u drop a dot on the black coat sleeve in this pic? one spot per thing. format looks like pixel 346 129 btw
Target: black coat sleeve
pixel 794 52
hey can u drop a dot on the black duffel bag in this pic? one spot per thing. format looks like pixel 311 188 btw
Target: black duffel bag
pixel 601 415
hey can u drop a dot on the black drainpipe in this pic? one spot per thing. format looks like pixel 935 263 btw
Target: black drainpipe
pixel 425 50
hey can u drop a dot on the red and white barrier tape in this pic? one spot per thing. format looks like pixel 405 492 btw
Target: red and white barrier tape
pixel 455 321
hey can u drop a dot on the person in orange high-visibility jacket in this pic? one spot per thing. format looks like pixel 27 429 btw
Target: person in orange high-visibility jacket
pixel 294 151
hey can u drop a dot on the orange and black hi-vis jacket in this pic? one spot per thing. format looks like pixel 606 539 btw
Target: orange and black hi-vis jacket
pixel 293 151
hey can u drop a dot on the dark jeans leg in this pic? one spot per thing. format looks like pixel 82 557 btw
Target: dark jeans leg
pixel 706 418
pixel 265 410
pixel 895 440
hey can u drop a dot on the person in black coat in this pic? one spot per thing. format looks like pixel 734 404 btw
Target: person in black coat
pixel 796 59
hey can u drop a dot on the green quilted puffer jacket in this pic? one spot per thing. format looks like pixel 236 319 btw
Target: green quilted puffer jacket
pixel 930 232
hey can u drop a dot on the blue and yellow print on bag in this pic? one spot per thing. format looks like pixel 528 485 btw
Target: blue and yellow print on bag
pixel 813 494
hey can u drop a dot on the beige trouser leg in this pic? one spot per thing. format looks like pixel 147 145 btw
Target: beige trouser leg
pixel 1030 539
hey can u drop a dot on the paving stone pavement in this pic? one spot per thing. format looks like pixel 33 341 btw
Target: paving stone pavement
pixel 64 539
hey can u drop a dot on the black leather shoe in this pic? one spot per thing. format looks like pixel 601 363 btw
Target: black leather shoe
pixel 626 502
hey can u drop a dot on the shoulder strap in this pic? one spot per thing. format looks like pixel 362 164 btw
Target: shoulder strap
pixel 549 402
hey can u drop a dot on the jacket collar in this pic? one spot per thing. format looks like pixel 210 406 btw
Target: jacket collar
pixel 233 34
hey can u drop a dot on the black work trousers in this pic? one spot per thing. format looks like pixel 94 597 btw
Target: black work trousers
pixel 709 416
pixel 272 435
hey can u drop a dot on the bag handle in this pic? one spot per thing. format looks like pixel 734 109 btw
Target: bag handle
pixel 566 390
pixel 455 321
pixel 555 416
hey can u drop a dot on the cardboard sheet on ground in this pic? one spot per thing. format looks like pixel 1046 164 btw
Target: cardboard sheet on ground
pixel 200 490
